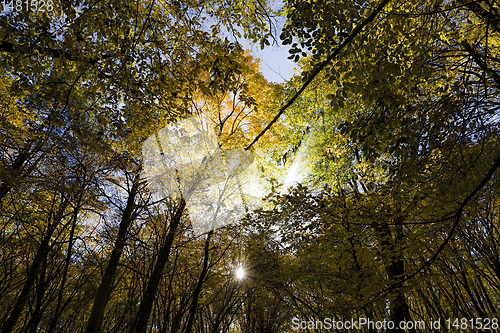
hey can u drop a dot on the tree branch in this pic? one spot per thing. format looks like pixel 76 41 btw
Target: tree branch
pixel 320 67
pixel 456 216
pixel 54 53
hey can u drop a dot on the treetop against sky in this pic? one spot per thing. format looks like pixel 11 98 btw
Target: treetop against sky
pixel 115 200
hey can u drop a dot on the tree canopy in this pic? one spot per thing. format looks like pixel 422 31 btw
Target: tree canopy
pixel 389 131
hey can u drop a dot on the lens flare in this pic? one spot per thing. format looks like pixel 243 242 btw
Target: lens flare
pixel 240 273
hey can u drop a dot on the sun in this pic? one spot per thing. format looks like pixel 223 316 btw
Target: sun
pixel 240 273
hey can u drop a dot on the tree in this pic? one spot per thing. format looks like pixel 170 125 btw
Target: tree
pixel 392 127
pixel 97 79
pixel 400 92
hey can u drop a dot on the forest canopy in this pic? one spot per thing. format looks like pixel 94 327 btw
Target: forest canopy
pixel 377 166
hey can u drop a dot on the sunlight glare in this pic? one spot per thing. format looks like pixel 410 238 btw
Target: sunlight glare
pixel 240 273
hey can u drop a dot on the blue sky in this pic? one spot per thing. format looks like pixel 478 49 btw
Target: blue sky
pixel 275 66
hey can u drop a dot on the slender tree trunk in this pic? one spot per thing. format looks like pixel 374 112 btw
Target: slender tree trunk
pixel 40 288
pixel 142 318
pixel 361 275
pixel 170 299
pixel 33 270
pixel 395 269
pixel 176 322
pixel 58 309
pixel 101 298
pixel 197 290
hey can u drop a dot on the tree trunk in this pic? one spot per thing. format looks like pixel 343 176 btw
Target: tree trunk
pixel 58 309
pixel 201 280
pixel 395 269
pixel 101 298
pixel 36 314
pixel 142 318
pixel 39 258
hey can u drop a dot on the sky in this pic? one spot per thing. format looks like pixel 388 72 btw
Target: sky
pixel 275 66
